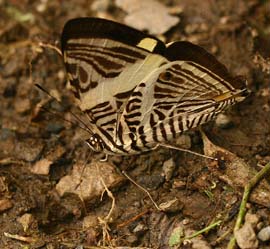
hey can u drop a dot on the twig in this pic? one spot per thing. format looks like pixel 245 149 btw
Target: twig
pixel 132 219
pixel 143 189
pixel 20 238
pixel 47 45
pixel 104 221
pixel 242 210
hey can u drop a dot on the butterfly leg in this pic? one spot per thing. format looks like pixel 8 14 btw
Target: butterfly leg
pixel 186 150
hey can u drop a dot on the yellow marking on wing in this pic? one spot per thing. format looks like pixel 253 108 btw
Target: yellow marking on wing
pixel 148 44
pixel 223 96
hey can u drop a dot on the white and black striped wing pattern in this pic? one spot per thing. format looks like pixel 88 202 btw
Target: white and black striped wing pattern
pixel 105 62
pixel 137 92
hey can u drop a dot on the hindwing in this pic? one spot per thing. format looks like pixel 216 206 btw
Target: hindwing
pixel 191 88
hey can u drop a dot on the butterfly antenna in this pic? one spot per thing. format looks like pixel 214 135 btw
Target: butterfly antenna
pixel 64 119
pixel 86 128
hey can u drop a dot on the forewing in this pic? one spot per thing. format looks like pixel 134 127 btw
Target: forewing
pixel 105 61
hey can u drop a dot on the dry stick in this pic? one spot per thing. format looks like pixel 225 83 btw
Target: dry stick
pixel 104 221
pixel 132 219
pixel 143 189
pixel 47 45
pixel 242 210
pixel 20 238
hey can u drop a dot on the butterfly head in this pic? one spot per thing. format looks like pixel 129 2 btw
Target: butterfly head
pixel 95 143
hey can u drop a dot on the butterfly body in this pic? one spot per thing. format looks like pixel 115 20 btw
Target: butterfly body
pixel 138 93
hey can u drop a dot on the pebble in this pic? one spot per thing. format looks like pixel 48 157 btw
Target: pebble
pixel 264 234
pixel 168 169
pixel 252 219
pixel 5 204
pixel 28 221
pixel 223 121
pixel 90 220
pixel 171 206
pixel 41 167
pixel 179 184
pixel 140 228
pixel 246 237
pixel 88 177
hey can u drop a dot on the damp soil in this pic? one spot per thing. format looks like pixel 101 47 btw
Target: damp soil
pixel 43 154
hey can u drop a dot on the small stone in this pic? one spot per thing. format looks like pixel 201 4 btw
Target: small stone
pixel 41 167
pixel 61 75
pixel 186 221
pixel 259 226
pixel 27 221
pixel 42 6
pixel 140 228
pixel 5 204
pixel 264 234
pixel 223 121
pixel 246 237
pixel 179 184
pixel 90 221
pixel 252 219
pixel 168 169
pixel 91 179
pixel 171 206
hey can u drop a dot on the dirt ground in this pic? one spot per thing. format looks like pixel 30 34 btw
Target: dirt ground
pixel 52 186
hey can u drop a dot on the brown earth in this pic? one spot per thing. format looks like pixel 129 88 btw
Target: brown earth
pixel 48 199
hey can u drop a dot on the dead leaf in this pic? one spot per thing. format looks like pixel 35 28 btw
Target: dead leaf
pixel 236 172
pixel 148 15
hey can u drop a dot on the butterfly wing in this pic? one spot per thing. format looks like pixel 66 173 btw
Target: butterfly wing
pixel 191 88
pixel 138 93
pixel 105 61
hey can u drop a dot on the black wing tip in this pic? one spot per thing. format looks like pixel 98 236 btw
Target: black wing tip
pixel 104 28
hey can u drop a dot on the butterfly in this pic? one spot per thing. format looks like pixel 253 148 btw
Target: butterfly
pixel 137 92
